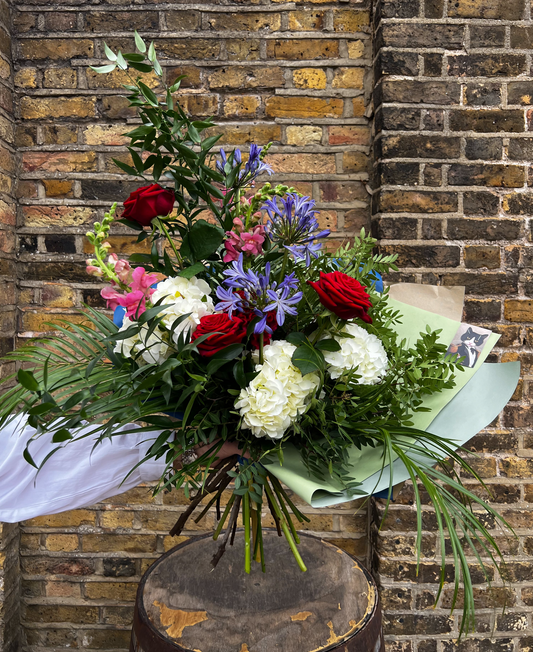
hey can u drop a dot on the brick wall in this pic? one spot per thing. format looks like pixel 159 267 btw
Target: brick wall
pixel 10 637
pixel 298 74
pixel 453 197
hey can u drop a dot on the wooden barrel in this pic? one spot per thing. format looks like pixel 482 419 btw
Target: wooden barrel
pixel 185 605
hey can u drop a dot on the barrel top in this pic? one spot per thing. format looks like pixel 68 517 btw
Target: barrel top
pixel 188 605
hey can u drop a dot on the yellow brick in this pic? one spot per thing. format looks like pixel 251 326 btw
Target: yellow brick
pixel 117 78
pixel 63 589
pixel 349 78
pixel 62 542
pixel 106 135
pixel 164 521
pixel 117 519
pixel 350 20
pixel 59 161
pixel 306 20
pixel 303 163
pixel 119 543
pixel 42 322
pixel 54 48
pixel 169 543
pixel 58 188
pixel 356 49
pixel 60 78
pixel 309 78
pixel 305 135
pixel 55 295
pixel 5 69
pixel 518 310
pixel 34 108
pixel 60 215
pixel 237 106
pixel 303 107
pixel 136 496
pixel 26 78
pixel 30 541
pixel 74 518
pixel 122 591
pixel 358 107
pixel 121 244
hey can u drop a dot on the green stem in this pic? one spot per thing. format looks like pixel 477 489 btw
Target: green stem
pixel 285 529
pixel 261 347
pixel 283 266
pixel 287 515
pixel 246 519
pixel 276 483
pixel 167 234
pixel 224 517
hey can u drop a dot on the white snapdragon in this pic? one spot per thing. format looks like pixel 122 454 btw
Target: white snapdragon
pixel 184 296
pixel 277 395
pixel 153 349
pixel 362 352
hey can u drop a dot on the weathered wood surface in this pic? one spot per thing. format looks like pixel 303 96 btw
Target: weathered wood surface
pixel 183 604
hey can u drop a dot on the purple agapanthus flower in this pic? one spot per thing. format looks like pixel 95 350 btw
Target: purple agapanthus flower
pixel 247 290
pixel 253 167
pixel 293 225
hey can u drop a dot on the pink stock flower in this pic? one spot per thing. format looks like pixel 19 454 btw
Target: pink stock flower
pixel 248 242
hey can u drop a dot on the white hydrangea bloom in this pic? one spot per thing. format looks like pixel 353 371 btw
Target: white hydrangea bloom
pixel 277 395
pixel 153 350
pixel 363 352
pixel 184 296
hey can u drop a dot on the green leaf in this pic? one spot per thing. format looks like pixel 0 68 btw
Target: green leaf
pixel 61 435
pixel 202 240
pixel 224 356
pixel 148 94
pixel 101 69
pixel 27 380
pixel 139 43
pixel 26 455
pixel 239 375
pixel 328 345
pixel 157 68
pixel 151 52
pixel 296 338
pixel 308 359
pixel 191 271
pixel 133 56
pixel 41 408
pixel 121 62
pixel 109 53
pixel 141 67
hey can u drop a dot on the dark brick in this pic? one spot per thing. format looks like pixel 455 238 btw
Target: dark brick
pixel 487 65
pixel 487 149
pixel 399 174
pixel 484 284
pixel 521 37
pixel 411 624
pixel 488 121
pixel 431 229
pixel 28 243
pixel 404 35
pixel 432 64
pixel 480 203
pixel 45 271
pixel 520 149
pixel 482 311
pixel 397 63
pixel 425 92
pixel 421 147
pixel 433 120
pixel 492 442
pixel 433 175
pixel 482 229
pixel 479 257
pixel 397 9
pixel 107 190
pixel 413 201
pixel 480 645
pixel 487 36
pixel 394 118
pixel 434 8
pixel 395 228
pixel 499 176
pixel 424 255
pixel 483 94
pixel 119 567
pixel 520 93
pixel 518 204
pixel 93 298
pixel 60 244
pixel 114 21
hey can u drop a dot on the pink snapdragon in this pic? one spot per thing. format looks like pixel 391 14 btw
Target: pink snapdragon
pixel 135 300
pixel 249 243
pixel 121 267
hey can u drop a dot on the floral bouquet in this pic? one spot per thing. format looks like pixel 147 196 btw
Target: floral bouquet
pixel 242 338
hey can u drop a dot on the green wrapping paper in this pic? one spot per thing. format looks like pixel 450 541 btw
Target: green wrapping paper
pixel 456 414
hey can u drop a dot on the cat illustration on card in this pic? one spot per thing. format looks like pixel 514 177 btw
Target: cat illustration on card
pixel 469 347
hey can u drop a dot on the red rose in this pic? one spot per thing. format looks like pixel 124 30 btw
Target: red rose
pixel 225 331
pixel 343 295
pixel 148 202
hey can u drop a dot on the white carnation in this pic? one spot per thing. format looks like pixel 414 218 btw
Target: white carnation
pixel 153 349
pixel 277 395
pixel 184 296
pixel 363 352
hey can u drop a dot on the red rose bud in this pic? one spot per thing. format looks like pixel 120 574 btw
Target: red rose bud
pixel 148 202
pixel 225 331
pixel 343 295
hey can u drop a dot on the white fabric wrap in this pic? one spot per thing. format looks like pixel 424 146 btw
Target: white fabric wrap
pixel 75 476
